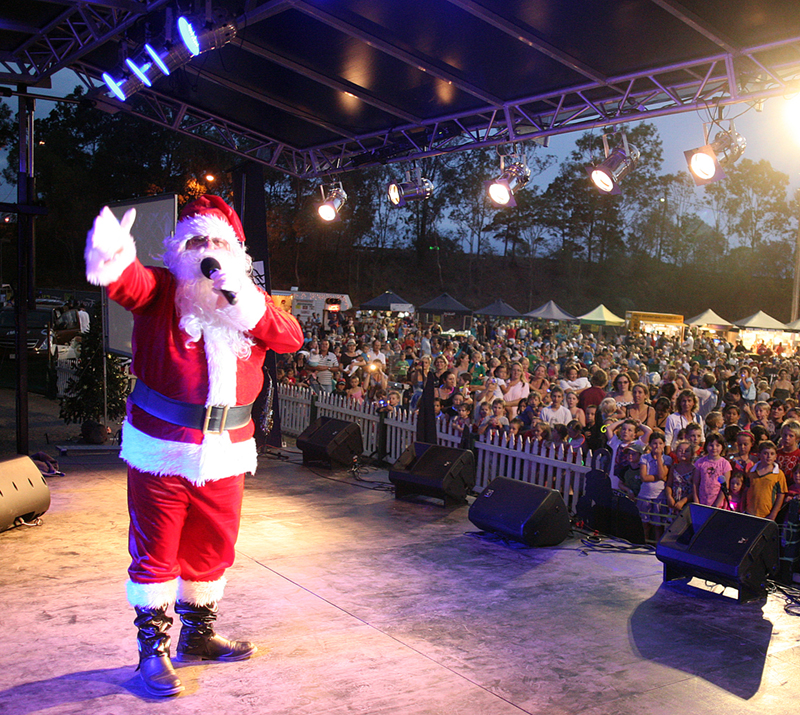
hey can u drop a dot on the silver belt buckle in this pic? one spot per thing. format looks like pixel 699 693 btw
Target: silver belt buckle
pixel 222 423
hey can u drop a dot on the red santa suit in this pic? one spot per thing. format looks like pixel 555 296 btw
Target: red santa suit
pixel 185 484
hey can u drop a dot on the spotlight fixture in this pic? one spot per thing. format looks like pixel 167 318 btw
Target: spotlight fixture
pixel 417 189
pixel 157 59
pixel 332 201
pixel 706 162
pixel 140 72
pixel 201 34
pixel 514 175
pixel 608 174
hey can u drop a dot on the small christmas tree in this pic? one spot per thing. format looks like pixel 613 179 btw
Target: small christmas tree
pixel 84 397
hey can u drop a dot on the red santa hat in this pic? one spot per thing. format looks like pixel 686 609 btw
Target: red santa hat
pixel 210 216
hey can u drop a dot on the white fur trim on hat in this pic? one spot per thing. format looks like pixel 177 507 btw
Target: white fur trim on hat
pixel 216 458
pixel 152 595
pixel 201 225
pixel 201 593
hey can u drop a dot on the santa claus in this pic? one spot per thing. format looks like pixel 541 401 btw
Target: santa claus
pixel 201 329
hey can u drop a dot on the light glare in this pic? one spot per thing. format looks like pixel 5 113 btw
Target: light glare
pixel 158 61
pixel 189 36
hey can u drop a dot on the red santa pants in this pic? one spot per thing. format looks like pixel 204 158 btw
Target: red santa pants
pixel 180 529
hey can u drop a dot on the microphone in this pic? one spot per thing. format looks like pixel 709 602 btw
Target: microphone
pixel 209 266
pixel 723 484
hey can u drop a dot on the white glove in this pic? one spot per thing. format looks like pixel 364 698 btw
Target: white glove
pixel 110 248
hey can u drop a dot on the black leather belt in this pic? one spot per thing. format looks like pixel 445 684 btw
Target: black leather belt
pixel 214 418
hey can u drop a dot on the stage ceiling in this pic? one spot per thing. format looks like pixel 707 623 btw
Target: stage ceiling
pixel 318 87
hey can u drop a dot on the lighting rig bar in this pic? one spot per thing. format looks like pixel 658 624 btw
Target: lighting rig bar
pixel 76 31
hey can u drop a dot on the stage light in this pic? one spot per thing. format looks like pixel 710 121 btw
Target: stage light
pixel 608 174
pixel 114 86
pixel 706 162
pixel 332 202
pixel 202 34
pixel 514 175
pixel 140 72
pixel 157 59
pixel 417 189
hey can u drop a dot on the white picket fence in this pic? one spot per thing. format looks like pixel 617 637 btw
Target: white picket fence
pixel 496 453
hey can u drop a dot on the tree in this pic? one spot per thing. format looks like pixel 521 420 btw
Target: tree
pixel 750 204
pixel 98 389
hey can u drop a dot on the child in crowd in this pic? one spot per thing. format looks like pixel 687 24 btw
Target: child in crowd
pixel 623 435
pixel 767 488
pixel 654 471
pixel 679 489
pixel 789 448
pixel 714 422
pixel 710 471
pixel 693 434
pixel 761 412
pixel 437 409
pixel 730 433
pixel 540 432
pixel 575 436
pixel 630 479
pixel 747 386
pixel 556 413
pixel 736 491
pixel 497 418
pixel 354 391
pixel 741 459
pixel 462 420
pixel 515 428
pixel 759 435
pixel 793 492
pixel 731 415
pixel 558 435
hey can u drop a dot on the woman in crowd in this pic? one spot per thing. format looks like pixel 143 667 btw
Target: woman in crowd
pixel 782 388
pixel 571 401
pixel 352 358
pixel 447 388
pixel 514 390
pixel 539 382
pixel 685 414
pixel 639 409
pixel 621 391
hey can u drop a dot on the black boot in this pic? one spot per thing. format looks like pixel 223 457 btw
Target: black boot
pixel 158 676
pixel 198 640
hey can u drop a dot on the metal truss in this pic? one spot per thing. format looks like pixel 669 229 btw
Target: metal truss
pixel 703 85
pixel 191 121
pixel 731 75
pixel 81 27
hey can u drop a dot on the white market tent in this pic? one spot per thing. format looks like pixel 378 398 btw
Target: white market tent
pixel 709 318
pixel 601 316
pixel 550 311
pixel 760 321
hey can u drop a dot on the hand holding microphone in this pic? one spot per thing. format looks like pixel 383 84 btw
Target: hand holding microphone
pixel 213 271
pixel 723 484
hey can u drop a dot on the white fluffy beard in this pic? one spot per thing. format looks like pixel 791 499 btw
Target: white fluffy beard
pixel 197 302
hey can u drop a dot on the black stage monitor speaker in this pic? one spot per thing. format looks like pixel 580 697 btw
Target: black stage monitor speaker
pixel 533 515
pixel 24 494
pixel 330 441
pixel 724 547
pixel 446 473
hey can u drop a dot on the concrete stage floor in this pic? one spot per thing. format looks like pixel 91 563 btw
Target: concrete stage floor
pixel 363 604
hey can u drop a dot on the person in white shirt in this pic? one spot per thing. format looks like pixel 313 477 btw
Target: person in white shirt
pixel 326 364
pixel 83 320
pixel 571 381
pixel 375 353
pixel 556 413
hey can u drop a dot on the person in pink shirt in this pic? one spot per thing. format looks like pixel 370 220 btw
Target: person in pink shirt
pixel 711 471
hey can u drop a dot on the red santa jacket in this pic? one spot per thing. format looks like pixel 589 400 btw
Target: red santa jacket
pixel 166 361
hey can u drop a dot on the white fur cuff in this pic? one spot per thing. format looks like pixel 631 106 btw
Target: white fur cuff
pixel 201 593
pixel 249 309
pixel 152 595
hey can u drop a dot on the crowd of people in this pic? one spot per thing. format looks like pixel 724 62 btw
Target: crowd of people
pixel 686 419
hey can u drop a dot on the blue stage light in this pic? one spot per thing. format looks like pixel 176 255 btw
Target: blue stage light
pixel 114 86
pixel 139 71
pixel 156 59
pixel 189 36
